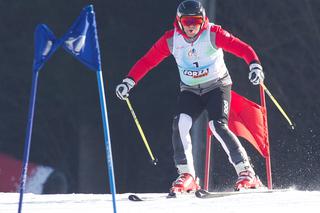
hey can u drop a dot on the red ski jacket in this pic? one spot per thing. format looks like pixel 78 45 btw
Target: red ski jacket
pixel 161 49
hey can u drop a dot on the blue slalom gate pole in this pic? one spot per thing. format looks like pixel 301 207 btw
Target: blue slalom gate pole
pixel 45 45
pixel 27 144
pixel 81 41
pixel 107 140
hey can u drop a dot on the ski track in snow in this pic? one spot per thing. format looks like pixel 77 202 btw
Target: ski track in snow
pixel 289 201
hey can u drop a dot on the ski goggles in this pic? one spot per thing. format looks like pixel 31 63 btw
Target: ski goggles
pixel 191 20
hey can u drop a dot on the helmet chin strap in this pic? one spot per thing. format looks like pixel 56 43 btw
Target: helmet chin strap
pixel 180 25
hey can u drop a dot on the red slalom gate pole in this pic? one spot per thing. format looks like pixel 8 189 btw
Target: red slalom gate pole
pixel 268 159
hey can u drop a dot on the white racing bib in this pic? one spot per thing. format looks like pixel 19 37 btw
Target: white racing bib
pixel 198 62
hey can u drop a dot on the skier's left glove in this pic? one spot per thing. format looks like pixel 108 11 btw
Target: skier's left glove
pixel 122 90
pixel 256 75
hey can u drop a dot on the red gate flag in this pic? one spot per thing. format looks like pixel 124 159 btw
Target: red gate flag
pixel 247 120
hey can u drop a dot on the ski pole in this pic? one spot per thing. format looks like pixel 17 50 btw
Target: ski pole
pixel 153 159
pixel 277 104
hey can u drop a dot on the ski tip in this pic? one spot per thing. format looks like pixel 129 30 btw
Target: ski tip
pixel 134 198
pixel 172 195
pixel 201 193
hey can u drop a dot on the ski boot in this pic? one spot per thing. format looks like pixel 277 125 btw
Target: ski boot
pixel 247 180
pixel 184 183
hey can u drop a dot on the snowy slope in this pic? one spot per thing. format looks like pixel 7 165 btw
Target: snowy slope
pixel 289 201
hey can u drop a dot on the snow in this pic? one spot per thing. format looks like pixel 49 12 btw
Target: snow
pixel 288 201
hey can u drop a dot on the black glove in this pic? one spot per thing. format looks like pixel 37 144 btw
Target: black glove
pixel 122 90
pixel 256 75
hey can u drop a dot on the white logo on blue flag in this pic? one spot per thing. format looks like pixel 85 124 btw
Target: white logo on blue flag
pixel 76 44
pixel 47 48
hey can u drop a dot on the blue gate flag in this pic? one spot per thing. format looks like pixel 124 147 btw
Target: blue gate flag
pixel 45 45
pixel 81 40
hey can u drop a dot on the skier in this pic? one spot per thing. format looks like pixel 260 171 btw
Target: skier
pixel 197 46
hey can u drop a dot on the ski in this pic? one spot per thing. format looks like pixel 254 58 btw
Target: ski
pixel 134 197
pixel 201 193
pixel 171 195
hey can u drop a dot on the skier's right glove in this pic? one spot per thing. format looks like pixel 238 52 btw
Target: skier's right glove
pixel 122 90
